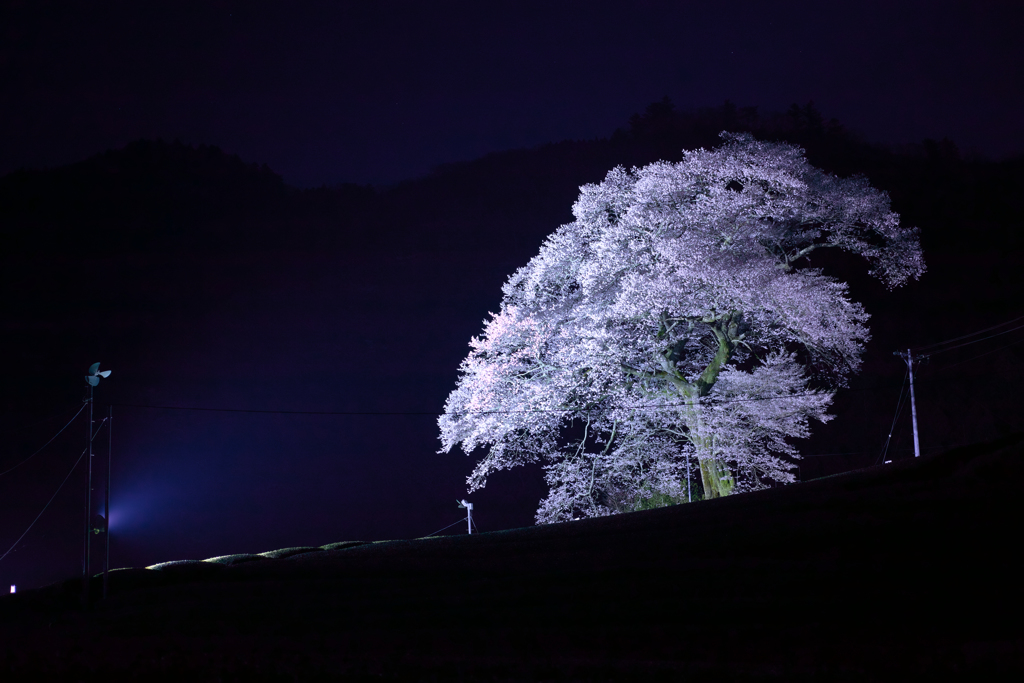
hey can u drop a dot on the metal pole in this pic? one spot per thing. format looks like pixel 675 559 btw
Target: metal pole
pixel 913 405
pixel 469 516
pixel 88 510
pixel 689 498
pixel 908 358
pixel 106 505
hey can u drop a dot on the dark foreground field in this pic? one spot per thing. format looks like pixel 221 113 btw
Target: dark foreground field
pixel 909 571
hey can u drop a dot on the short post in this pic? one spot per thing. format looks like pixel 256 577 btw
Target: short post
pixel 469 513
pixel 689 498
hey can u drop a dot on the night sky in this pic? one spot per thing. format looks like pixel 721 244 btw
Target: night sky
pixel 330 92
pixel 378 93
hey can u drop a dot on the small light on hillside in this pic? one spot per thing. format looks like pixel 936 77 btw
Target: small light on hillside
pixel 14 589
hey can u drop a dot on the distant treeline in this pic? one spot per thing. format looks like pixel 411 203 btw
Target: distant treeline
pixel 167 196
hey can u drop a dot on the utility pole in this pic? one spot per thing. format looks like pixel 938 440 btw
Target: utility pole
pixel 88 508
pixel 908 358
pixel 106 504
pixel 92 379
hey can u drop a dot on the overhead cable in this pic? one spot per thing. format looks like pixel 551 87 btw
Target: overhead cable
pixel 972 358
pixel 45 444
pixel 896 417
pixel 45 506
pixel 968 336
pixel 447 527
pixel 649 406
pixel 714 401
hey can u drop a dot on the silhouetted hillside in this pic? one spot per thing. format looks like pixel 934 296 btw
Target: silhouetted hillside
pixel 962 205
pixel 158 196
pixel 153 195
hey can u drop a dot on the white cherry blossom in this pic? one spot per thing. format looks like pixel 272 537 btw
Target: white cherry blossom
pixel 673 340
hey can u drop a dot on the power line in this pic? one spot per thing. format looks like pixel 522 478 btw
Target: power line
pixel 991 336
pixel 437 531
pixel 896 417
pixel 28 425
pixel 45 444
pixel 46 506
pixel 279 412
pixel 972 334
pixel 972 358
pixel 710 400
pixel 649 406
pixel 824 455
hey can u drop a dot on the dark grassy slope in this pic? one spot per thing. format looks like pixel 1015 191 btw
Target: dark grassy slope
pixel 889 573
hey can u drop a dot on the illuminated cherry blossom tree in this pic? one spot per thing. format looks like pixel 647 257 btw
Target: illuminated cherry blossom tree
pixel 674 339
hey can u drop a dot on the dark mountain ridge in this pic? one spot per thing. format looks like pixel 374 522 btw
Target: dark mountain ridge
pixel 155 195
pixel 159 196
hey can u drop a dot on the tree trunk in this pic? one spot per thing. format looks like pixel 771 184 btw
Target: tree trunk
pixel 716 478
pixel 715 475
